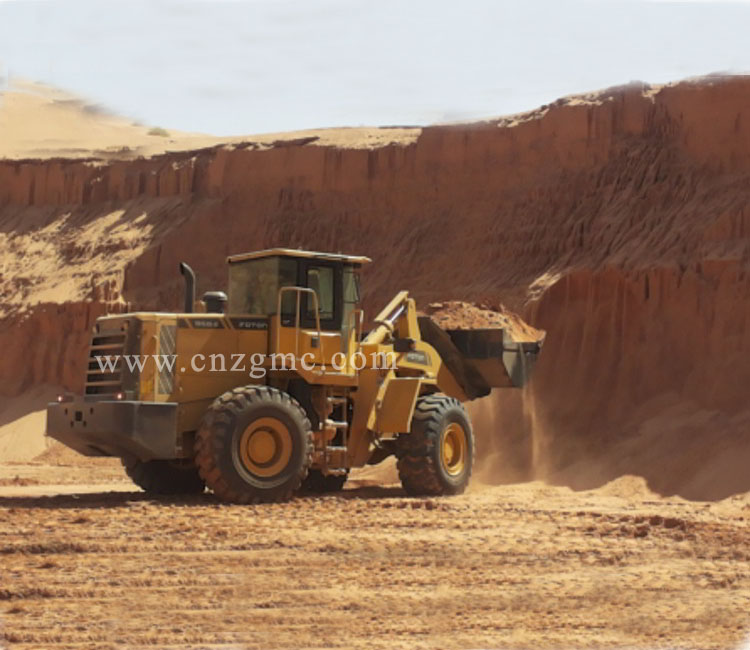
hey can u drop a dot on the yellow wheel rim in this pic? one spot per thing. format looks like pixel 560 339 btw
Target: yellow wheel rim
pixel 265 447
pixel 454 448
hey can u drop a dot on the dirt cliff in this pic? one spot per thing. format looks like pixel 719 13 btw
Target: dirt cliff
pixel 616 221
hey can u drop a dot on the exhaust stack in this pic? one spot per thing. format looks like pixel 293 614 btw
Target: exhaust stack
pixel 189 275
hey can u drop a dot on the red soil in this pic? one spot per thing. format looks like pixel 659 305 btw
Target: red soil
pixel 616 222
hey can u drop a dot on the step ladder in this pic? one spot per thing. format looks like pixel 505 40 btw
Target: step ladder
pixel 341 448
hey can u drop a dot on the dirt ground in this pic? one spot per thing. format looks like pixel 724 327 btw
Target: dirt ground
pixel 88 561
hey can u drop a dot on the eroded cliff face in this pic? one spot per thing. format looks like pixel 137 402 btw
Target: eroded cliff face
pixel 645 373
pixel 616 221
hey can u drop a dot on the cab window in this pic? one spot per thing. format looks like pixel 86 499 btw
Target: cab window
pixel 254 285
pixel 320 280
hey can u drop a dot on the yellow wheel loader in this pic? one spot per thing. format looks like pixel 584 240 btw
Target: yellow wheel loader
pixel 276 389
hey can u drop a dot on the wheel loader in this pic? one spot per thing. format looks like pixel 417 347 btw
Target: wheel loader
pixel 275 388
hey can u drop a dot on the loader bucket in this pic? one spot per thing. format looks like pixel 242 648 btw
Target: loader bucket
pixel 482 359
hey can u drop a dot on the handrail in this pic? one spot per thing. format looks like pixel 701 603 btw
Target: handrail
pixel 359 325
pixel 299 291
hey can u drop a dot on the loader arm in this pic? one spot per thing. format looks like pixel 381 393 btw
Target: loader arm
pixel 463 364
pixel 385 398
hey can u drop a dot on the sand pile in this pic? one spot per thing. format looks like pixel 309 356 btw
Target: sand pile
pixel 22 423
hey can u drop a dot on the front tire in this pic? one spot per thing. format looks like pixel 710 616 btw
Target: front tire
pixel 436 457
pixel 165 476
pixel 254 445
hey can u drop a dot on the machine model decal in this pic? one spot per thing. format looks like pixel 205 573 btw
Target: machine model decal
pixel 249 323
pixel 418 357
pixel 207 323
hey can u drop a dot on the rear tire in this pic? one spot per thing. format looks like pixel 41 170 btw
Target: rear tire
pixel 165 476
pixel 319 483
pixel 437 456
pixel 254 445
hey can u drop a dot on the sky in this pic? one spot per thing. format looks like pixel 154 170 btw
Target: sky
pixel 257 66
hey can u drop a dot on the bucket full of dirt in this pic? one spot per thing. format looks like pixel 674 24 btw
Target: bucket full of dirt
pixel 483 348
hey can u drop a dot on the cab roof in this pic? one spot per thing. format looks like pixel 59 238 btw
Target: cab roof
pixel 294 252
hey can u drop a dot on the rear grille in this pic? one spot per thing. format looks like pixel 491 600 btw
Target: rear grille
pixel 115 338
pixel 105 378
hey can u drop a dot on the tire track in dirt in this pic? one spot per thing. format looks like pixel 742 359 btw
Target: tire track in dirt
pixel 517 566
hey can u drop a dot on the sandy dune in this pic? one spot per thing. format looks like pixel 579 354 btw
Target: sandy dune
pixel 37 121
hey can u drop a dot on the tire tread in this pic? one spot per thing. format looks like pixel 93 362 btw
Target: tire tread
pixel 416 451
pixel 217 430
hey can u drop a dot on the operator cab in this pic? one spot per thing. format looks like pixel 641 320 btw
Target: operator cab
pixel 255 280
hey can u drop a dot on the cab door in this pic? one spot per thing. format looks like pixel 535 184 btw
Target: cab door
pixel 325 279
